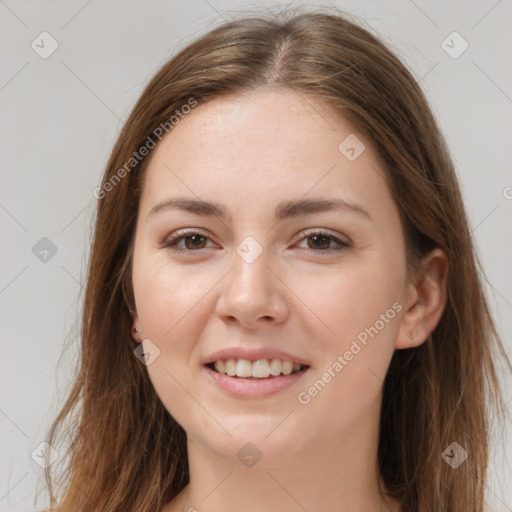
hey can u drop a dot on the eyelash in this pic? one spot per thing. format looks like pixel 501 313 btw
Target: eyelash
pixel 171 243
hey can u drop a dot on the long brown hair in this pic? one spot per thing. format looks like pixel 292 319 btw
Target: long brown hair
pixel 125 451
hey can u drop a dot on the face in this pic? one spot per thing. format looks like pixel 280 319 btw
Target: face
pixel 324 288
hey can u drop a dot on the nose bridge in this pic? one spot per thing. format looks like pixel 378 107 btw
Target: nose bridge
pixel 252 291
pixel 250 267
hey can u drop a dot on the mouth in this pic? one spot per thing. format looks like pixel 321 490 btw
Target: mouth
pixel 260 369
pixel 255 372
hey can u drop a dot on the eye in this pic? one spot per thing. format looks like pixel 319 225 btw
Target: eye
pixel 321 238
pixel 194 241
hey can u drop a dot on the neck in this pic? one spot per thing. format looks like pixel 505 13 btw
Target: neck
pixel 337 473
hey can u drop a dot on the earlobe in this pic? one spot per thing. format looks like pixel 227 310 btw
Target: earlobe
pixel 426 303
pixel 136 330
pixel 136 334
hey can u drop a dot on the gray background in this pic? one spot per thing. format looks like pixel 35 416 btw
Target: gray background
pixel 61 115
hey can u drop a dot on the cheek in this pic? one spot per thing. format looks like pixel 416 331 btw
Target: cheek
pixel 357 298
pixel 172 316
pixel 167 296
pixel 362 310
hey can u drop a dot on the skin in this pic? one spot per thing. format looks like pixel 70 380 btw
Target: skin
pixel 249 153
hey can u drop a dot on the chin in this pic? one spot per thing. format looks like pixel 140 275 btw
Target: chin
pixel 265 438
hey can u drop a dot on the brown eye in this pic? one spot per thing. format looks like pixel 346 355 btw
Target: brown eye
pixel 193 241
pixel 320 241
pixel 317 241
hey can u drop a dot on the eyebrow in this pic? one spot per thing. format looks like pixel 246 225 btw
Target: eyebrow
pixel 284 210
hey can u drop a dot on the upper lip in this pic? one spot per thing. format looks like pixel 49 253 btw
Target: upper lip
pixel 253 354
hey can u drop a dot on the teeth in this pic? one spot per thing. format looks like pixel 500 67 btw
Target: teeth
pixel 275 367
pixel 231 367
pixel 220 366
pixel 260 369
pixel 286 367
pixel 243 368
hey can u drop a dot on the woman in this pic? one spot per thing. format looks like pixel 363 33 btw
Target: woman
pixel 283 308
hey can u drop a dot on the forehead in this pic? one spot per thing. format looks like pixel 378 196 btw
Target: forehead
pixel 261 148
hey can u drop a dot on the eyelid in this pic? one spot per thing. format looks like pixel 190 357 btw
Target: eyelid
pixel 323 231
pixel 342 241
pixel 176 236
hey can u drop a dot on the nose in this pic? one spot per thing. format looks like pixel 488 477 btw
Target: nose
pixel 253 293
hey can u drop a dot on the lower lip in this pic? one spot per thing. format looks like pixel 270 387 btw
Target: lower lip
pixel 254 388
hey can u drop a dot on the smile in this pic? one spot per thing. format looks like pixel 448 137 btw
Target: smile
pixel 250 387
pixel 259 369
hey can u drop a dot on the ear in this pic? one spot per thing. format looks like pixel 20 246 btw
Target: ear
pixel 426 301
pixel 136 330
pixel 130 302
